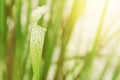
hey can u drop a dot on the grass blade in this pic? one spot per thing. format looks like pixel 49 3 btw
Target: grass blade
pixel 3 30
pixel 77 10
pixel 54 27
pixel 18 44
pixel 3 35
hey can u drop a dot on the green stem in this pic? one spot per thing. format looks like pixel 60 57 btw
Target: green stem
pixel 36 46
pixel 26 41
pixel 3 30
pixel 54 27
pixel 76 11
pixel 3 45
pixel 18 44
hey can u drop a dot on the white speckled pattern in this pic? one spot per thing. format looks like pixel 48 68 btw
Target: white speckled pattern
pixel 36 41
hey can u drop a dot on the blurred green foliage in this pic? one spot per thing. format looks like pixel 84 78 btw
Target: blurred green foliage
pixel 15 29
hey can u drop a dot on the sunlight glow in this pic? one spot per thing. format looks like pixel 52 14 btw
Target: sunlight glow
pixel 85 31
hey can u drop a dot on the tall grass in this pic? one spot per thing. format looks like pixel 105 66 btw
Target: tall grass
pixel 16 46
pixel 85 72
pixel 54 26
pixel 3 30
pixel 3 40
pixel 76 11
